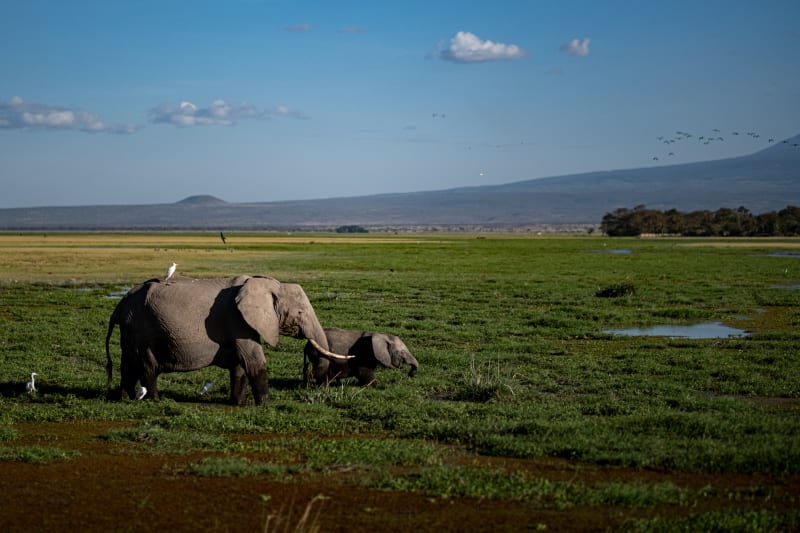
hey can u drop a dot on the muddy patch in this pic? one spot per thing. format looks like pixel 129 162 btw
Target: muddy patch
pixel 107 488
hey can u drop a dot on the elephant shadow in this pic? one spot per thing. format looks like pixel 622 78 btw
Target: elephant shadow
pixel 212 398
pixel 286 383
pixel 11 389
pixel 16 388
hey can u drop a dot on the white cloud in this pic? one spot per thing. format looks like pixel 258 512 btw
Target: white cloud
pixel 466 47
pixel 577 47
pixel 19 114
pixel 219 113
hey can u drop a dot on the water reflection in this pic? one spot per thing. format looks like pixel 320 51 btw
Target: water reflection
pixel 788 287
pixel 616 251
pixel 795 255
pixel 710 330
pixel 116 295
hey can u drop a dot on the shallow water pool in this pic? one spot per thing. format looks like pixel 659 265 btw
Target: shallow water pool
pixel 708 330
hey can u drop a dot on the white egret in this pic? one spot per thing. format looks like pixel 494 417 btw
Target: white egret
pixel 31 385
pixel 140 393
pixel 206 387
pixel 170 271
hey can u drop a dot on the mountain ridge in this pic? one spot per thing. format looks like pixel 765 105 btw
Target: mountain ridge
pixel 767 180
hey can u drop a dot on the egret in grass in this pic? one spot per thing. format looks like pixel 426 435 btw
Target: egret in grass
pixel 171 271
pixel 206 387
pixel 31 385
pixel 141 393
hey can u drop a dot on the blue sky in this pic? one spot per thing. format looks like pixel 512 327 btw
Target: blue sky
pixel 114 102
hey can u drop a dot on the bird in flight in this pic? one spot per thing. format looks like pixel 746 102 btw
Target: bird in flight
pixel 170 271
pixel 222 236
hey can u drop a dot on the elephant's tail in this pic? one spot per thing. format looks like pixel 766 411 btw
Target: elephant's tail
pixel 109 364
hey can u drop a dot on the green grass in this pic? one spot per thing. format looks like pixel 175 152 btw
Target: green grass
pixel 513 359
pixel 34 454
pixel 156 439
pixel 237 467
pixel 760 521
pixel 494 483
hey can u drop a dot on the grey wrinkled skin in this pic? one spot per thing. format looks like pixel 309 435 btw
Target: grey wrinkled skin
pixel 186 324
pixel 371 350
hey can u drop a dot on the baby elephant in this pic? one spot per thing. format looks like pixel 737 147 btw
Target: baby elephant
pixel 370 350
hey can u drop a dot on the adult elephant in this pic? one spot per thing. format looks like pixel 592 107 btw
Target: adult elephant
pixel 186 324
pixel 370 350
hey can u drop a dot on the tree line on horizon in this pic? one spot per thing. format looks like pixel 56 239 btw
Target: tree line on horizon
pixel 724 222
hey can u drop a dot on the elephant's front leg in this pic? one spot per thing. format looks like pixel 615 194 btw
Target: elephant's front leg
pixel 315 366
pixel 308 375
pixel 251 357
pixel 320 369
pixel 238 386
pixel 366 376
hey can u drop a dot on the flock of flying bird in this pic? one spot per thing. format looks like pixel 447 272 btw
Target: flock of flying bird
pixel 141 392
pixel 714 137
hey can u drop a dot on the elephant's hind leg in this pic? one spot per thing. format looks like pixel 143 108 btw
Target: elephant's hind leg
pixel 129 374
pixel 149 375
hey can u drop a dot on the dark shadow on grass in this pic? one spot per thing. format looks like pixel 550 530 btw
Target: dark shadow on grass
pixel 214 399
pixel 11 389
pixel 286 383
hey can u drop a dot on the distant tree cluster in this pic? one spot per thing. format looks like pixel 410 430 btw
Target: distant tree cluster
pixel 723 222
pixel 351 229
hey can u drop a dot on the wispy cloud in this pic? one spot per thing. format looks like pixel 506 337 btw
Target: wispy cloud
pixel 16 113
pixel 577 47
pixel 219 113
pixel 466 47
pixel 299 28
pixel 353 29
pixel 283 111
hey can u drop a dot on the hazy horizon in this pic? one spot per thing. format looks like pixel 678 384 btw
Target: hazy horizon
pixel 269 100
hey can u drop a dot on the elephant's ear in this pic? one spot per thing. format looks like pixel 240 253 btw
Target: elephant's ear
pixel 256 303
pixel 380 347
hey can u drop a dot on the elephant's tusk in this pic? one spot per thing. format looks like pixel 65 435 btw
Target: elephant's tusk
pixel 328 353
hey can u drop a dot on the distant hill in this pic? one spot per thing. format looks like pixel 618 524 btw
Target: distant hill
pixel 767 180
pixel 202 200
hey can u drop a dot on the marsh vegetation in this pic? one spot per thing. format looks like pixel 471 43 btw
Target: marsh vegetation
pixel 524 413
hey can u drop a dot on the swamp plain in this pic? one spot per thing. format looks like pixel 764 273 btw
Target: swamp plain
pixel 524 415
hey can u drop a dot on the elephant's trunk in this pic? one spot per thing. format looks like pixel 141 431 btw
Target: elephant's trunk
pixel 414 365
pixel 312 330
